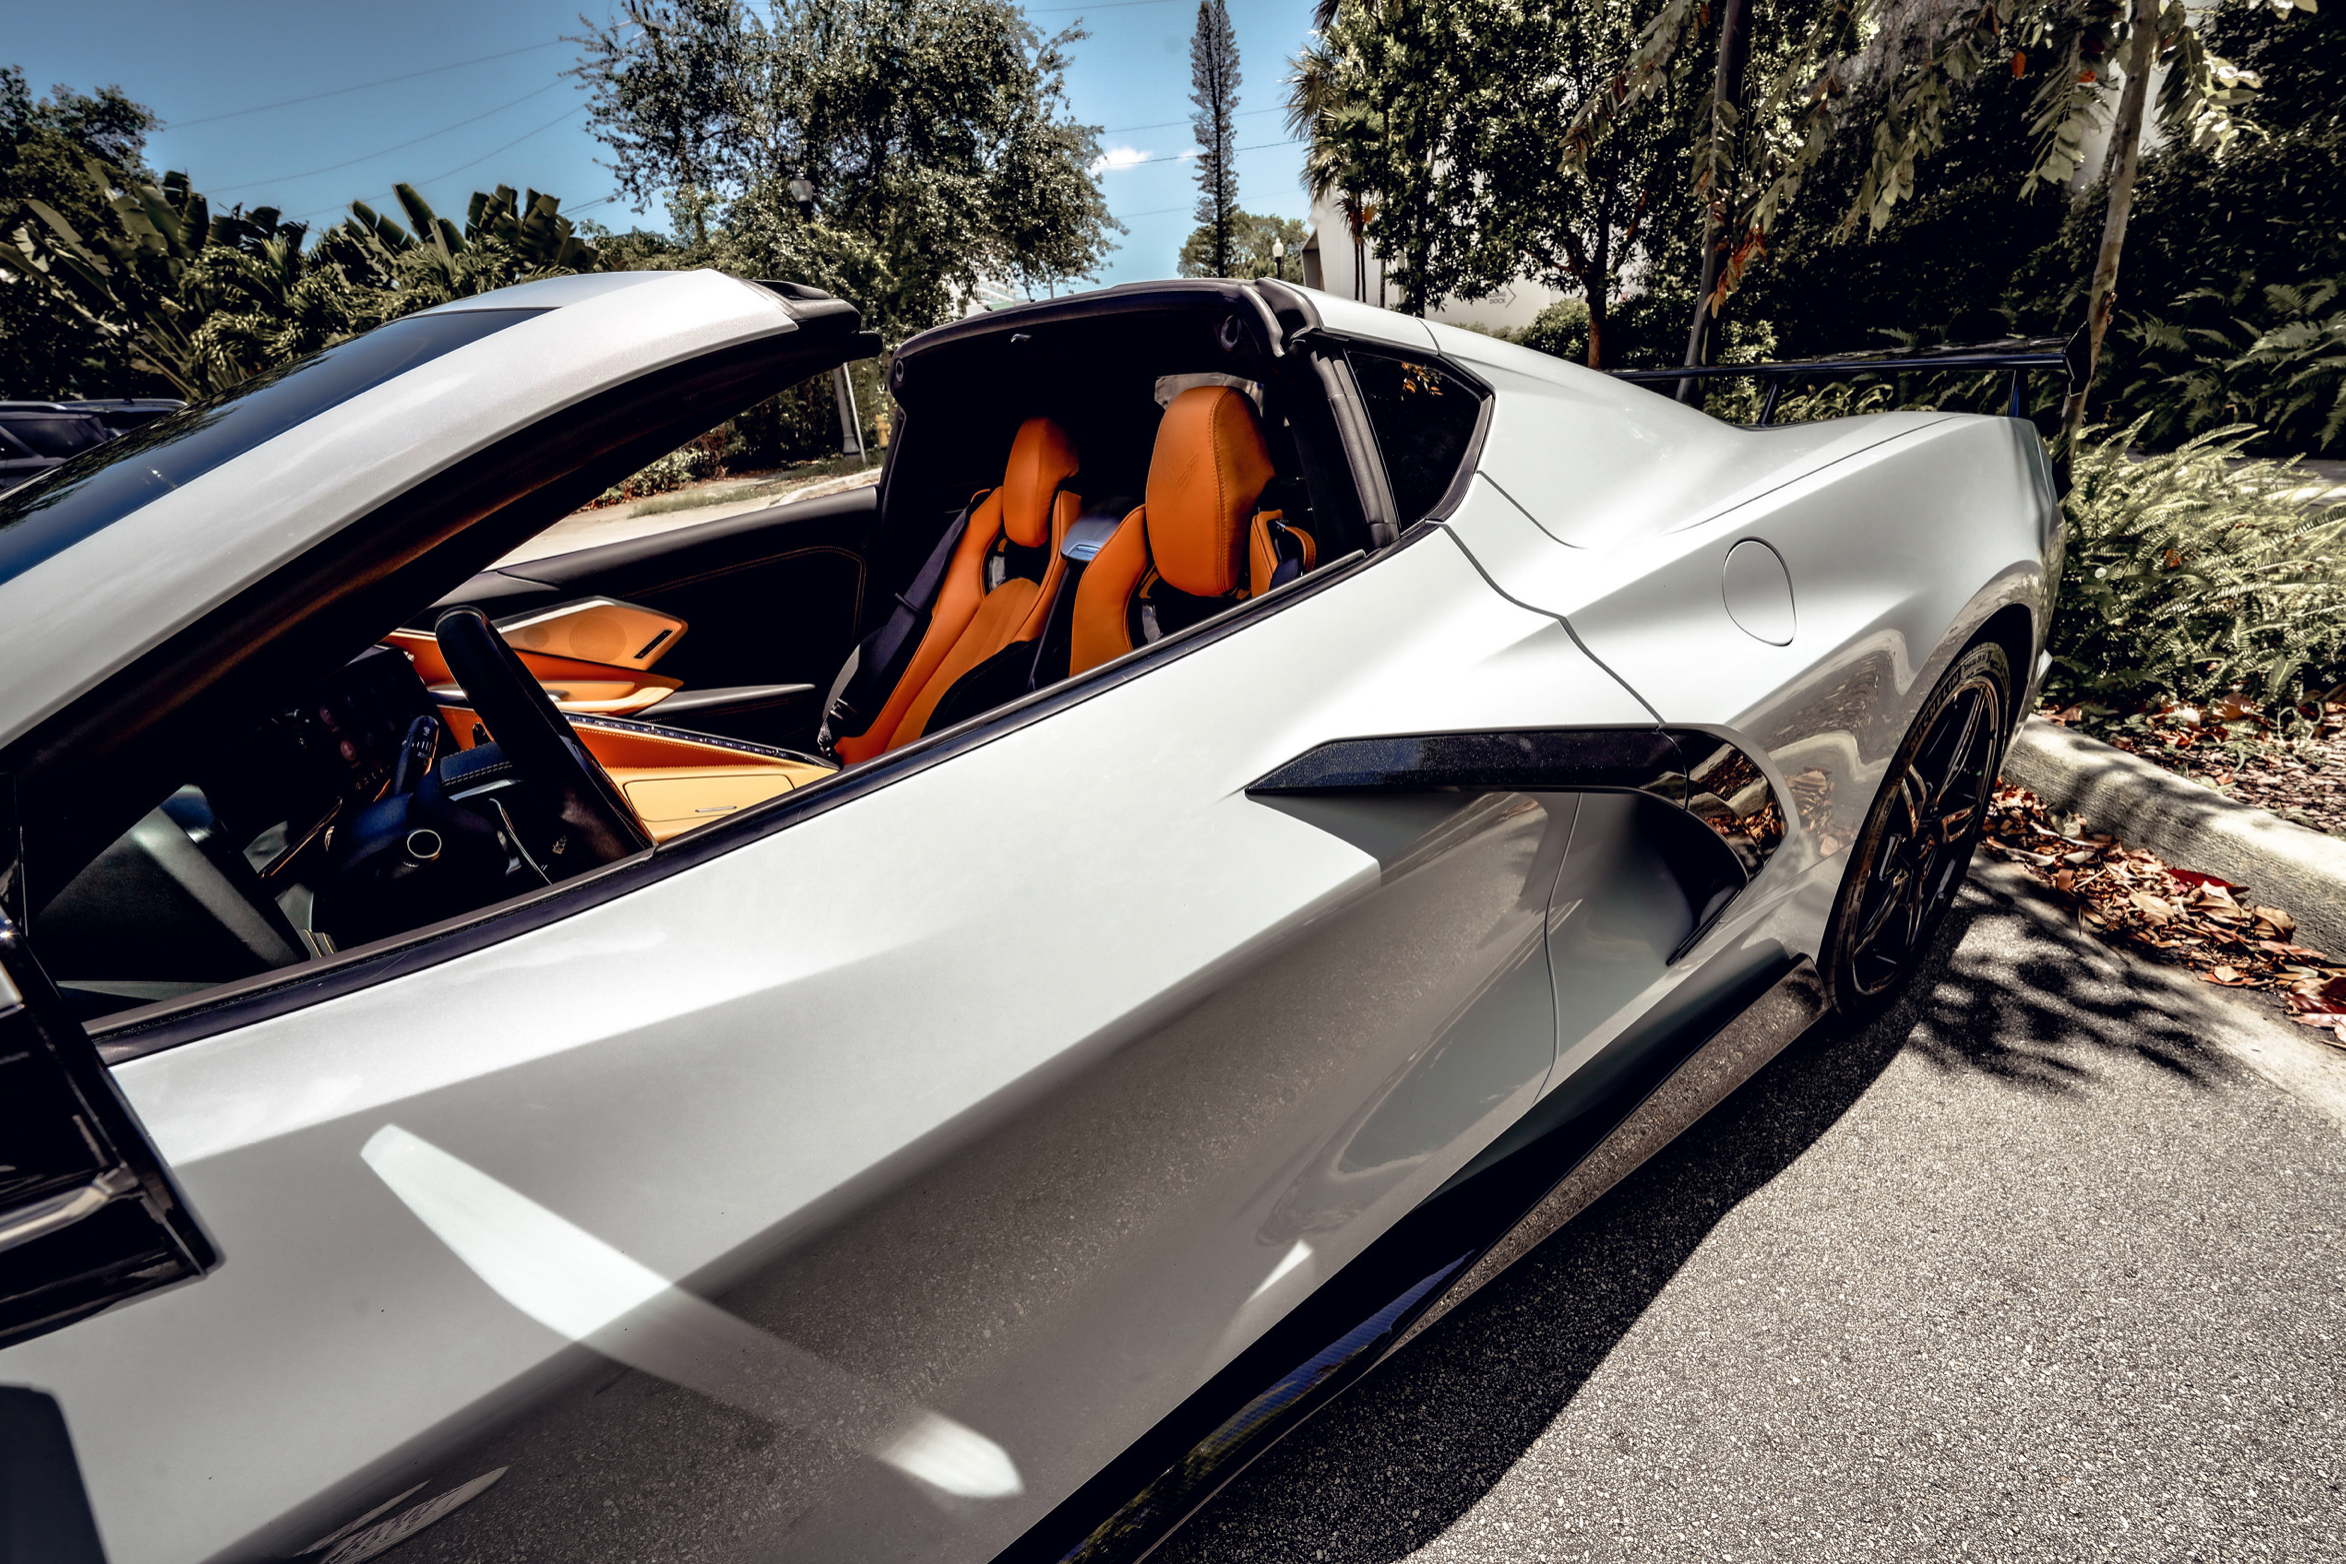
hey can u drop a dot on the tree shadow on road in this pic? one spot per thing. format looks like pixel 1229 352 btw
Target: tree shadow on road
pixel 2038 1002
pixel 1395 1464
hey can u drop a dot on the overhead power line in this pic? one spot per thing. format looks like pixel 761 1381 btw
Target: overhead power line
pixel 1169 124
pixel 509 146
pixel 281 179
pixel 287 103
pixel 1176 157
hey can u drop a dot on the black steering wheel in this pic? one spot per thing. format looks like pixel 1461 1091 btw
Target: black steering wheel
pixel 596 826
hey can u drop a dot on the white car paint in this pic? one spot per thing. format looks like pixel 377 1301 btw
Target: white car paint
pixel 1030 1088
pixel 687 1071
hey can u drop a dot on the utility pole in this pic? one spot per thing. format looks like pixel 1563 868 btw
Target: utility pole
pixel 850 423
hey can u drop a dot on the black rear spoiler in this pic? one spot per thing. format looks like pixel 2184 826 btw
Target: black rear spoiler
pixel 2019 356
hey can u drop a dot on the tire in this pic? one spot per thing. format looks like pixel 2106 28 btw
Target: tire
pixel 1908 862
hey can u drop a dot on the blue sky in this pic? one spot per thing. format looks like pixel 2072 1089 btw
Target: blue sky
pixel 212 71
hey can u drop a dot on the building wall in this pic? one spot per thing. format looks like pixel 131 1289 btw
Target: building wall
pixel 1330 265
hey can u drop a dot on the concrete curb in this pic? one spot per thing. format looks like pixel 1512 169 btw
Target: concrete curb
pixel 2193 827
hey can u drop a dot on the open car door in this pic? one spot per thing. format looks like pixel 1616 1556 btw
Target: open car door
pixel 89 1217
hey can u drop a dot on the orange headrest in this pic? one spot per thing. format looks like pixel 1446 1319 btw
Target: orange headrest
pixel 1041 459
pixel 1208 470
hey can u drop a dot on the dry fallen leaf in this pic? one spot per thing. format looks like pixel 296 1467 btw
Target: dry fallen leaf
pixel 2183 916
pixel 2232 707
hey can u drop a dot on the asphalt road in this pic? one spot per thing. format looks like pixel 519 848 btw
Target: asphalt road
pixel 2039 1265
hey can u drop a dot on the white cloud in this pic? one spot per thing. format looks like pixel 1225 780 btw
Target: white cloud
pixel 1119 157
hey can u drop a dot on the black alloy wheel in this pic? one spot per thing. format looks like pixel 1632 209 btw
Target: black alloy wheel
pixel 1910 859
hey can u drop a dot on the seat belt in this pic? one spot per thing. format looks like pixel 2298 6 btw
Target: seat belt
pixel 1088 534
pixel 870 673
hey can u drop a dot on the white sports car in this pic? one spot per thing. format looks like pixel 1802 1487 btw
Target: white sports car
pixel 933 1022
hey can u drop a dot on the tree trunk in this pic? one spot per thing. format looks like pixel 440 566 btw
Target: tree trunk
pixel 1726 98
pixel 1597 286
pixel 2125 160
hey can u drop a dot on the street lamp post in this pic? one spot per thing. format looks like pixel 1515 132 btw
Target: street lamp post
pixel 1279 258
pixel 802 191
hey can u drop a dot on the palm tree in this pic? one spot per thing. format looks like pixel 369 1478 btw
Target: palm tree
pixel 1315 103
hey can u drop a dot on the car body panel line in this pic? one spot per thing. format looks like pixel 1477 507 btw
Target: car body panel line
pixel 1493 582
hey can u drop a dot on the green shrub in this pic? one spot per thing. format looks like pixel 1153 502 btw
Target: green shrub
pixel 2281 365
pixel 686 464
pixel 1560 329
pixel 2193 572
pixel 1840 399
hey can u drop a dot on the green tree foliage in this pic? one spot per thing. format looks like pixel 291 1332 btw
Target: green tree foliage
pixel 935 135
pixel 1315 100
pixel 2226 249
pixel 1579 223
pixel 1392 96
pixel 1247 239
pixel 1941 266
pixel 2233 258
pixel 1897 69
pixel 44 145
pixel 200 303
pixel 1449 122
pixel 1213 89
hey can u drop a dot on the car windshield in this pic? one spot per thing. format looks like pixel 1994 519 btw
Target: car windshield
pixel 107 482
pixel 54 434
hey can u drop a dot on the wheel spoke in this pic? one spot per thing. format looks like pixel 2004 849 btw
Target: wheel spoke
pixel 1942 795
pixel 1914 791
pixel 1973 708
pixel 1892 888
pixel 1918 905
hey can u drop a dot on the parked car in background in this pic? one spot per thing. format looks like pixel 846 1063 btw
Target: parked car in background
pixel 36 436
pixel 120 414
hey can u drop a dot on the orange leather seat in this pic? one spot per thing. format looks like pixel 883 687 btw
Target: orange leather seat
pixel 994 601
pixel 1196 544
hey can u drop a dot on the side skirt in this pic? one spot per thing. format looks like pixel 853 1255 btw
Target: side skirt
pixel 1433 1260
pixel 1740 1050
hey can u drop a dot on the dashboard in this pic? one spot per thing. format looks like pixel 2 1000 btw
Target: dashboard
pixel 335 752
pixel 250 866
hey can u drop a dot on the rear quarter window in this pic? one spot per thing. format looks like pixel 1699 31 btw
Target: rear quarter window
pixel 1424 417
